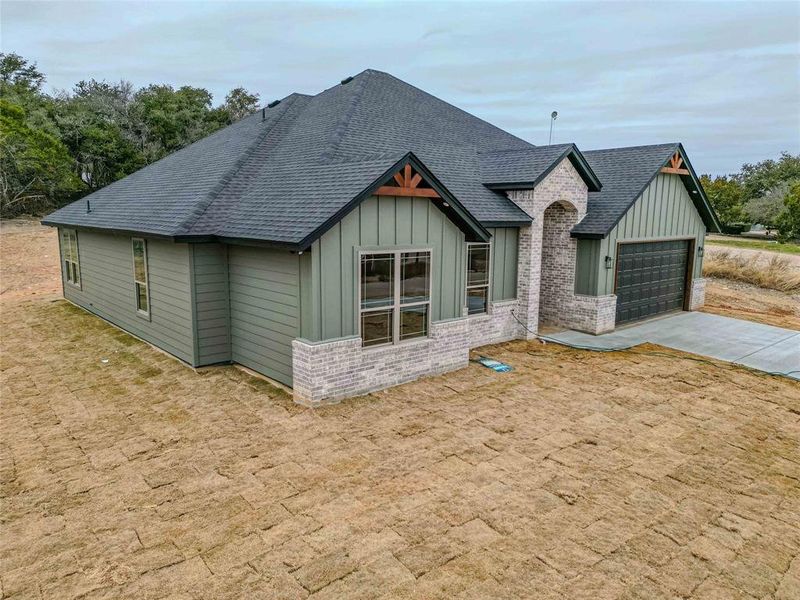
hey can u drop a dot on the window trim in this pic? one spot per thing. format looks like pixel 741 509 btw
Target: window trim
pixel 65 269
pixel 487 285
pixel 143 314
pixel 396 306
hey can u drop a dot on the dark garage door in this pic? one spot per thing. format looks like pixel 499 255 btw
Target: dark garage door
pixel 651 279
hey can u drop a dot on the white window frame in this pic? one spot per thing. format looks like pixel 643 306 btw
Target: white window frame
pixel 487 285
pixel 397 305
pixel 136 282
pixel 70 265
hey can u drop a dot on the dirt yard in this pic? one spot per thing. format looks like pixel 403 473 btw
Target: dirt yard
pixel 126 474
pixel 744 301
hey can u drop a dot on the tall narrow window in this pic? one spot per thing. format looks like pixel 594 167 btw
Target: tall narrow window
pixel 395 296
pixel 477 278
pixel 140 275
pixel 69 248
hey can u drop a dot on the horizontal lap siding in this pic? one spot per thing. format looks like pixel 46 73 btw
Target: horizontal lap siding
pixel 107 289
pixel 264 309
pixel 212 316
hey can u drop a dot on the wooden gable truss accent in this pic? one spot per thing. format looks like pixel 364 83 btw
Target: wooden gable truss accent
pixel 407 184
pixel 675 166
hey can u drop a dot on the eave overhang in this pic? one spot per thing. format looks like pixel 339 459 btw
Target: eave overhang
pixel 448 204
pixel 690 181
pixel 577 160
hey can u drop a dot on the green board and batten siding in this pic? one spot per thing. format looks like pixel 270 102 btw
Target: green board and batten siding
pixel 264 309
pixel 107 289
pixel 664 210
pixel 504 242
pixel 329 271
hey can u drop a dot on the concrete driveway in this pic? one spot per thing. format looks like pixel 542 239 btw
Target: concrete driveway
pixel 763 347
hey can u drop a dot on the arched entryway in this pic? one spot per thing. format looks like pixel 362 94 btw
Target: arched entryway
pixel 557 283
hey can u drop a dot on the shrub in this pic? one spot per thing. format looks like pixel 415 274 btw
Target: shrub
pixel 736 228
pixel 775 272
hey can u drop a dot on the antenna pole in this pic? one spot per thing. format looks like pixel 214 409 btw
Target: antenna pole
pixel 553 117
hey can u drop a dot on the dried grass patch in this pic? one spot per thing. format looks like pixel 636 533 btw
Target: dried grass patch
pixel 774 272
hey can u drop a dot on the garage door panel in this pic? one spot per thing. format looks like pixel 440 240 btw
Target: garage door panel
pixel 651 279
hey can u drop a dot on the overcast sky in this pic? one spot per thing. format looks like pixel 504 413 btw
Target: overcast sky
pixel 722 77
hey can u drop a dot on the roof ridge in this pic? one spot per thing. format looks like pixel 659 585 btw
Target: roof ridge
pixel 665 144
pixel 532 149
pixel 453 106
pixel 344 121
pixel 186 225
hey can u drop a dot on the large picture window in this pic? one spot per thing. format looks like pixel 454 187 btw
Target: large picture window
pixel 140 275
pixel 477 278
pixel 395 296
pixel 69 248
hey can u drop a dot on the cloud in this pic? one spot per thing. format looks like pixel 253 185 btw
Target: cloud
pixel 723 77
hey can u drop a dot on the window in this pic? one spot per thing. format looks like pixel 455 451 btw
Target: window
pixel 395 296
pixel 69 248
pixel 140 275
pixel 477 278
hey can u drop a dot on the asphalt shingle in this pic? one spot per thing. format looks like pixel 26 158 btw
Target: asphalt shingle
pixel 279 178
pixel 625 172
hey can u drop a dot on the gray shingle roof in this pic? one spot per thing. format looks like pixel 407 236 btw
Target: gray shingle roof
pixel 625 173
pixel 281 179
pixel 525 168
pixel 159 198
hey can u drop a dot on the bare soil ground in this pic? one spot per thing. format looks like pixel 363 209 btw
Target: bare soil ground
pixel 642 474
pixel 751 303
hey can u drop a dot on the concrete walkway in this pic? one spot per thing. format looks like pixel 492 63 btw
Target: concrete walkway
pixel 762 347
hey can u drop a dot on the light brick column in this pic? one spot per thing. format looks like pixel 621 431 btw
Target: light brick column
pixel 565 186
pixel 697 296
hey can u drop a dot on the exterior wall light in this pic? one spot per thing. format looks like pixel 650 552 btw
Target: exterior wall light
pixel 609 262
pixel 700 251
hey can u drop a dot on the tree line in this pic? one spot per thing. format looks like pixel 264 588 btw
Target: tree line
pixel 767 193
pixel 56 148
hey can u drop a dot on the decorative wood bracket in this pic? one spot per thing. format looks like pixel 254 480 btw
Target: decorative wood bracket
pixel 406 183
pixel 675 166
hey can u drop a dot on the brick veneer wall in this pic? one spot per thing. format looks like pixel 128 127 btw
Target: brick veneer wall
pixel 559 251
pixel 546 268
pixel 499 325
pixel 697 296
pixel 332 370
pixel 593 314
pixel 329 371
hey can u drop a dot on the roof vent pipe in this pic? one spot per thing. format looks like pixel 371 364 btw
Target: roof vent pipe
pixel 88 207
pixel 273 103
pixel 346 80
pixel 263 114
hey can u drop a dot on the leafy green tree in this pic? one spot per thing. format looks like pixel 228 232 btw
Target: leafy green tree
pixel 36 170
pixel 726 195
pixel 94 123
pixel 766 208
pixel 167 119
pixel 18 75
pixel 759 178
pixel 789 220
pixel 239 103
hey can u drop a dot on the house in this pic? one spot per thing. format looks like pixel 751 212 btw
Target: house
pixel 372 234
